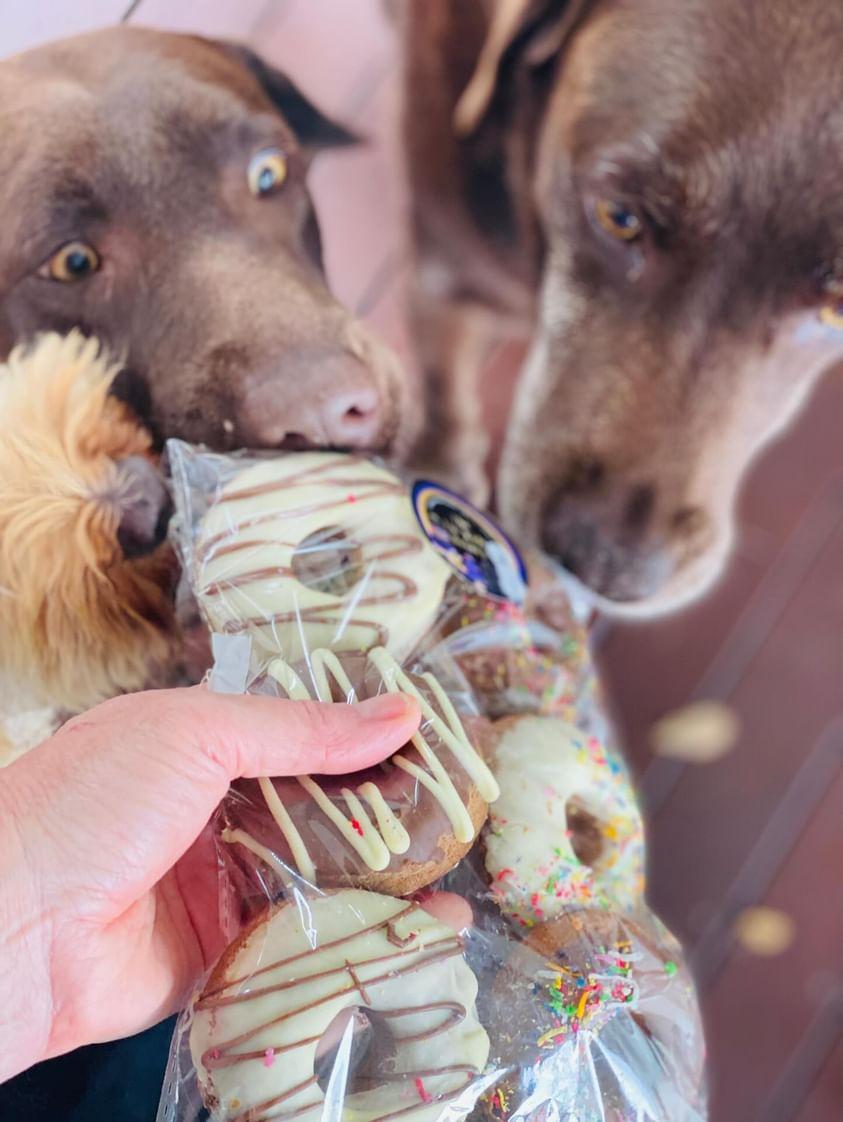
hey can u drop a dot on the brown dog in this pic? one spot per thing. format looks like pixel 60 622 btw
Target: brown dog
pixel 153 196
pixel 650 191
pixel 153 192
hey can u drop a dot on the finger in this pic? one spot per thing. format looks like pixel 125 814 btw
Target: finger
pixel 119 794
pixel 449 909
pixel 254 735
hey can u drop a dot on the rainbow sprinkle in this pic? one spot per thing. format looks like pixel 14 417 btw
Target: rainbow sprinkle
pixel 532 881
pixel 574 1000
pixel 422 1092
pixel 499 1102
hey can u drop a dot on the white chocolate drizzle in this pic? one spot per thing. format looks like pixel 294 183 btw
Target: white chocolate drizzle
pixel 241 837
pixel 288 829
pixel 375 841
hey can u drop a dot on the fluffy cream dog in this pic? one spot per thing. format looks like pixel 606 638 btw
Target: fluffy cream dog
pixel 86 577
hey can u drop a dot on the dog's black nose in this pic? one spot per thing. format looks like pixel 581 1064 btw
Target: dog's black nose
pixel 145 507
pixel 609 545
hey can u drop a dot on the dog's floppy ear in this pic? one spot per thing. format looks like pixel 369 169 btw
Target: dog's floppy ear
pixel 534 29
pixel 312 128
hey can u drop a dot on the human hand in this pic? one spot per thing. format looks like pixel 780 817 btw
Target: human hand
pixel 108 877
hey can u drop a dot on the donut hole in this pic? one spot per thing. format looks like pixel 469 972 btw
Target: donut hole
pixel 328 561
pixel 585 830
pixel 372 1052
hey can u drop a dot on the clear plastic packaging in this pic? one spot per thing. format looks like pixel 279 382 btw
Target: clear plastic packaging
pixel 399 947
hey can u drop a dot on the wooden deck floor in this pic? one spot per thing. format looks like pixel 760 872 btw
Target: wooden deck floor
pixel 762 825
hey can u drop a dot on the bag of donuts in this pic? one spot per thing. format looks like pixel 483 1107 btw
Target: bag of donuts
pixel 460 931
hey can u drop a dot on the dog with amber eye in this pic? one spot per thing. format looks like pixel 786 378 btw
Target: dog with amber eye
pixel 154 191
pixel 647 193
pixel 86 575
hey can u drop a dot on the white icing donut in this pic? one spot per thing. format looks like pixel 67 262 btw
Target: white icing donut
pixel 551 774
pixel 257 1026
pixel 321 504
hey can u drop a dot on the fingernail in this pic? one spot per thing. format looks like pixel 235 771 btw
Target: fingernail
pixel 387 707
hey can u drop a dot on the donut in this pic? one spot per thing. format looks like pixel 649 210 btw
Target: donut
pixel 566 830
pixel 518 658
pixel 546 601
pixel 272 997
pixel 514 666
pixel 602 1024
pixel 394 828
pixel 318 549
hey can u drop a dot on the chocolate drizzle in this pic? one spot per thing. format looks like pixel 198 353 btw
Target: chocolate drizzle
pixel 390 586
pixel 258 1113
pixel 220 1053
pixel 412 956
pixel 389 924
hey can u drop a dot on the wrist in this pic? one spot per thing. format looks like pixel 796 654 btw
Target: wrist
pixel 25 988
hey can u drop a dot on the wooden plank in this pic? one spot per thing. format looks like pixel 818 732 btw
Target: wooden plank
pixel 680 650
pixel 789 693
pixel 780 833
pixel 762 1012
pixel 804 1072
pixel 825 1099
pixel 704 652
pixel 783 481
pixel 25 24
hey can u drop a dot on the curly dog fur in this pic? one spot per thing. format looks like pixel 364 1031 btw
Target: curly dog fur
pixel 80 621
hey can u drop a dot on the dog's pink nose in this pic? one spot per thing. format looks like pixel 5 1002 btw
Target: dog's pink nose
pixel 334 403
pixel 353 418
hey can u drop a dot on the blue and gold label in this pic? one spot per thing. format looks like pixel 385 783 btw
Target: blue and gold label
pixel 470 541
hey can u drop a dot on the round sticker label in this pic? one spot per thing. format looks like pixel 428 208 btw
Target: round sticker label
pixel 470 541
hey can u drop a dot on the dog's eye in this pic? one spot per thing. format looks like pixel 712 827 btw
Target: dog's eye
pixel 267 172
pixel 73 262
pixel 618 220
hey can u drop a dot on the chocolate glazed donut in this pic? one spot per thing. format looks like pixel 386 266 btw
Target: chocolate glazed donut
pixel 393 829
pixel 518 658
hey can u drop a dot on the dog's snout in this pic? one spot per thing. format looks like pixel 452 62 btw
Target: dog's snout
pixel 639 508
pixel 609 566
pixel 145 507
pixel 334 402
pixel 610 540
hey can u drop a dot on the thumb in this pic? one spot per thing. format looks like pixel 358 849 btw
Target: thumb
pixel 121 792
pixel 296 737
